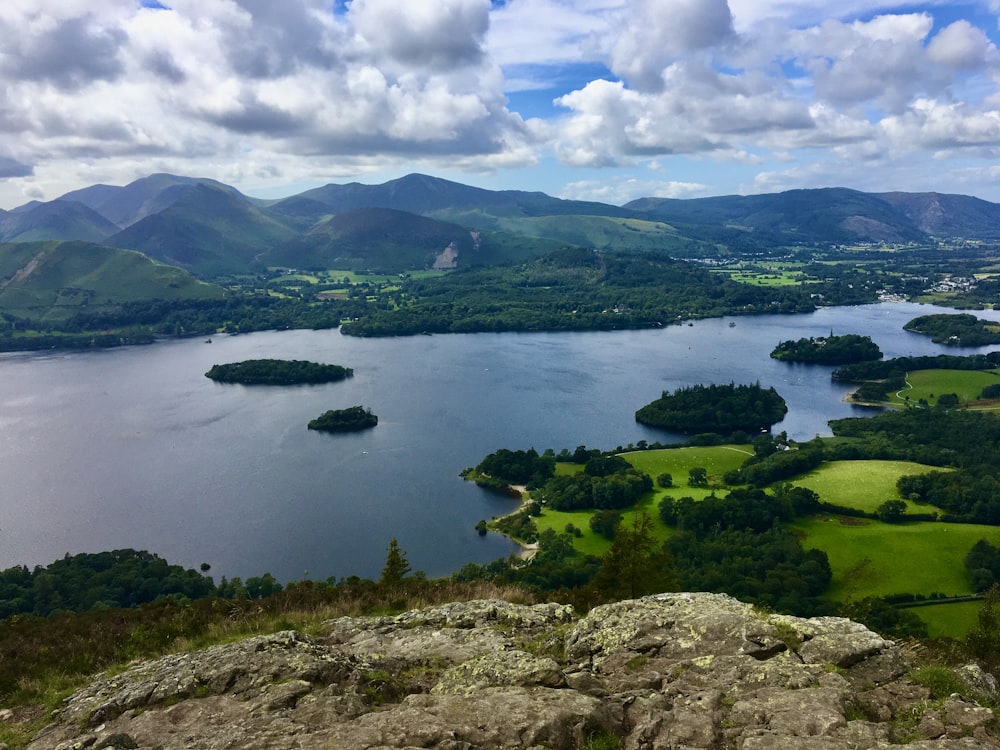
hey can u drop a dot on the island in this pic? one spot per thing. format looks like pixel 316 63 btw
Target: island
pixel 828 350
pixel 344 420
pixel 278 372
pixel 722 409
pixel 960 329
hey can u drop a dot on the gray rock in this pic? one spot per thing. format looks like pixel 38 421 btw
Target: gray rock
pixel 673 671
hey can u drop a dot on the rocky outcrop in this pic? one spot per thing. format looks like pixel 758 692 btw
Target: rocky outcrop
pixel 666 672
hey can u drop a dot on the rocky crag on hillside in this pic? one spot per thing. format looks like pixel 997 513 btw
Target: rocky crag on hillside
pixel 671 671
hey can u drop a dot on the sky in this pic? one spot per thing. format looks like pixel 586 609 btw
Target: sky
pixel 607 100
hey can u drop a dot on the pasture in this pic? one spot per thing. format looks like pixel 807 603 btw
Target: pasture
pixel 715 459
pixel 862 484
pixel 871 558
pixel 949 620
pixel 930 384
pixel 868 558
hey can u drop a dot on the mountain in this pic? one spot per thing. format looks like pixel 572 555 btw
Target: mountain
pixel 57 220
pixel 208 230
pixel 53 280
pixel 422 194
pixel 144 197
pixel 943 215
pixel 392 241
pixel 829 215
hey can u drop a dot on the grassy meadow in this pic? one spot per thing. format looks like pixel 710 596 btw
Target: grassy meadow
pixel 929 384
pixel 949 620
pixel 862 484
pixel 716 460
pixel 871 558
pixel 868 558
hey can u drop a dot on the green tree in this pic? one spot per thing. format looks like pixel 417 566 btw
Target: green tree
pixel 396 565
pixel 637 564
pixel 698 476
pixel 984 640
pixel 891 511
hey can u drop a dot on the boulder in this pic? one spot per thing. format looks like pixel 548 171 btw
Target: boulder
pixel 669 671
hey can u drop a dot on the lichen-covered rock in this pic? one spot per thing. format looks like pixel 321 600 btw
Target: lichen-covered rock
pixel 670 672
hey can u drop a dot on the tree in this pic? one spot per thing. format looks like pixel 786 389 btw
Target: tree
pixel 891 511
pixel 665 480
pixel 604 522
pixel 698 476
pixel 984 640
pixel 637 564
pixel 396 565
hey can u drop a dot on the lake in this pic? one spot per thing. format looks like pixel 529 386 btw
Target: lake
pixel 135 447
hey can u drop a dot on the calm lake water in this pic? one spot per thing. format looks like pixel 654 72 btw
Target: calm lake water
pixel 136 448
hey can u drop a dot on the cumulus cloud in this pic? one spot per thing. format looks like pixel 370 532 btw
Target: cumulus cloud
pixel 624 189
pixel 68 52
pixel 309 89
pixel 658 32
pixel 255 79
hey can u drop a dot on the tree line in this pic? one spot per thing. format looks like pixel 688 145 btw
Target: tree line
pixel 114 579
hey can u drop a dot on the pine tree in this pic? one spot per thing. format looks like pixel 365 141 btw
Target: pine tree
pixel 396 565
pixel 637 564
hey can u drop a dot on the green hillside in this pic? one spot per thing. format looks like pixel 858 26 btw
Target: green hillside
pixel 825 215
pixel 598 232
pixel 390 241
pixel 209 231
pixel 53 280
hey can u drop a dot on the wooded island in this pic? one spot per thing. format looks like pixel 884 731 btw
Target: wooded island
pixel 722 409
pixel 344 420
pixel 278 372
pixel 962 329
pixel 828 350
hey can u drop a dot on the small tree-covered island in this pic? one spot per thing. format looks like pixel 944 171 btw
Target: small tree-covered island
pixel 344 420
pixel 722 409
pixel 278 372
pixel 962 329
pixel 828 350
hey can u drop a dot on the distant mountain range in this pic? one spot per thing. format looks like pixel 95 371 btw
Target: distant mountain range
pixel 417 221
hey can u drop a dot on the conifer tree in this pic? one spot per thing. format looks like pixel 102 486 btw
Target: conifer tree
pixel 637 564
pixel 396 565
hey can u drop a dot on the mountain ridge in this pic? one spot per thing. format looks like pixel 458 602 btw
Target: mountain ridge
pixel 210 228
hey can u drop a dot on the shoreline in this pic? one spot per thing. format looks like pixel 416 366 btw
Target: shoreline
pixel 526 551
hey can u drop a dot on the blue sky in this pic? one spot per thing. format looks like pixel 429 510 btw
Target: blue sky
pixel 595 99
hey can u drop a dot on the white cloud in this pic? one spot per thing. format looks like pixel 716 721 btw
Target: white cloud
pixel 962 46
pixel 622 190
pixel 265 91
pixel 655 33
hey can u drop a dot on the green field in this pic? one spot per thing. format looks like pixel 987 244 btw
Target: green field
pixel 870 558
pixel 716 459
pixel 334 276
pixel 766 277
pixel 862 484
pixel 594 544
pixel 929 384
pixel 949 620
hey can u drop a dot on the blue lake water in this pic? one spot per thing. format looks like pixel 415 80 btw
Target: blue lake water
pixel 134 447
